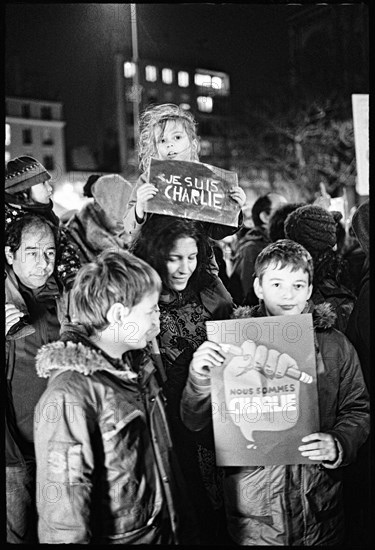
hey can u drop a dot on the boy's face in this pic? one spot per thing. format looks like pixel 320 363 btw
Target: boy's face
pixel 284 292
pixel 34 261
pixel 173 143
pixel 142 323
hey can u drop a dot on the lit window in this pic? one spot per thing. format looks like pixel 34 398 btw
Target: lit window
pixel 183 79
pixel 202 79
pixel 27 137
pixel 205 104
pixel 167 76
pixel 7 135
pixel 7 156
pixel 150 73
pixel 217 82
pixel 129 69
pixel 185 106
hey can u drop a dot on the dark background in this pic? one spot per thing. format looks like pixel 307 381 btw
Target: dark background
pixel 65 51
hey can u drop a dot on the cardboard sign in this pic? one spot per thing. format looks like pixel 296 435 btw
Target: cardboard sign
pixel 360 104
pixel 264 396
pixel 193 190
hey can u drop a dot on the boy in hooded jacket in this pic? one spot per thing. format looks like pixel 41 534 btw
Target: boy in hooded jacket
pixel 106 469
pixel 291 504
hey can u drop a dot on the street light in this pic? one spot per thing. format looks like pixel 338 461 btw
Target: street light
pixel 132 95
pixel 133 17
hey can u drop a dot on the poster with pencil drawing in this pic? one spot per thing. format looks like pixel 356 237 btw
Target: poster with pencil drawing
pixel 264 396
pixel 193 190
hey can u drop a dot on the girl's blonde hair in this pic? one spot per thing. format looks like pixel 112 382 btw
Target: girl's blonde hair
pixel 157 116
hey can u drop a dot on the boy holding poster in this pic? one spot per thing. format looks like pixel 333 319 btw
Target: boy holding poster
pixel 293 504
pixel 168 132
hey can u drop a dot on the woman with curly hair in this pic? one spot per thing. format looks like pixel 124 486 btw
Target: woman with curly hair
pixel 191 295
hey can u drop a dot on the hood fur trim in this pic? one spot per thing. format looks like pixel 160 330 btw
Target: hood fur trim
pixel 324 316
pixel 65 356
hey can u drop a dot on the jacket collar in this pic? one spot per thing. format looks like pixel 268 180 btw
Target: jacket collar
pixel 323 315
pixel 76 352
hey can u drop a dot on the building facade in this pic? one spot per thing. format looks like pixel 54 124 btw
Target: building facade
pixel 35 127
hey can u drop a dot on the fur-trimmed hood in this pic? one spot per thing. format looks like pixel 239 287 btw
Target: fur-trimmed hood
pixel 79 357
pixel 323 315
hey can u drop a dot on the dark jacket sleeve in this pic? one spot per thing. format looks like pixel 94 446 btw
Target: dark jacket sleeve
pixel 349 406
pixel 358 329
pixel 217 300
pixel 217 231
pixel 196 403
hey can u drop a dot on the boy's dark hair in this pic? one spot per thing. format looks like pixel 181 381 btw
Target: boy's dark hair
pixel 156 240
pixel 13 236
pixel 262 204
pixel 276 224
pixel 284 253
pixel 115 276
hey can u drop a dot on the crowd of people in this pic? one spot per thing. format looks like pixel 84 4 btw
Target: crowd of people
pixel 108 416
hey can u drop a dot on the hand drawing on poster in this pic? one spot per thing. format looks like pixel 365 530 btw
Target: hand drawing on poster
pixel 193 190
pixel 264 396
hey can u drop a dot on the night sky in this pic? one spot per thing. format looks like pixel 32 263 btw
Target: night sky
pixel 68 50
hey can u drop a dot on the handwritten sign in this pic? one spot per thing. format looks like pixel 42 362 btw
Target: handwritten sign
pixel 193 190
pixel 264 396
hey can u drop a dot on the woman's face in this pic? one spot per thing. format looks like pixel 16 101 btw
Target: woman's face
pixel 181 263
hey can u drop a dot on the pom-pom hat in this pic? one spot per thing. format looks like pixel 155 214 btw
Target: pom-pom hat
pixel 23 172
pixel 313 227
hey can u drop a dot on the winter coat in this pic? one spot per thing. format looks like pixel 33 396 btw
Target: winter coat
pixel 241 280
pixel 358 329
pixel 132 225
pixel 182 330
pixel 107 449
pixel 328 287
pixel 45 314
pixel 67 261
pixel 296 504
pixel 92 231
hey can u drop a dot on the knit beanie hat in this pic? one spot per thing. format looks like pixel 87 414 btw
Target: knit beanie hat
pixel 22 173
pixel 313 227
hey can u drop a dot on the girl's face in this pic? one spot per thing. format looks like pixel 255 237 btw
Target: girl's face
pixel 173 143
pixel 181 263
pixel 41 192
